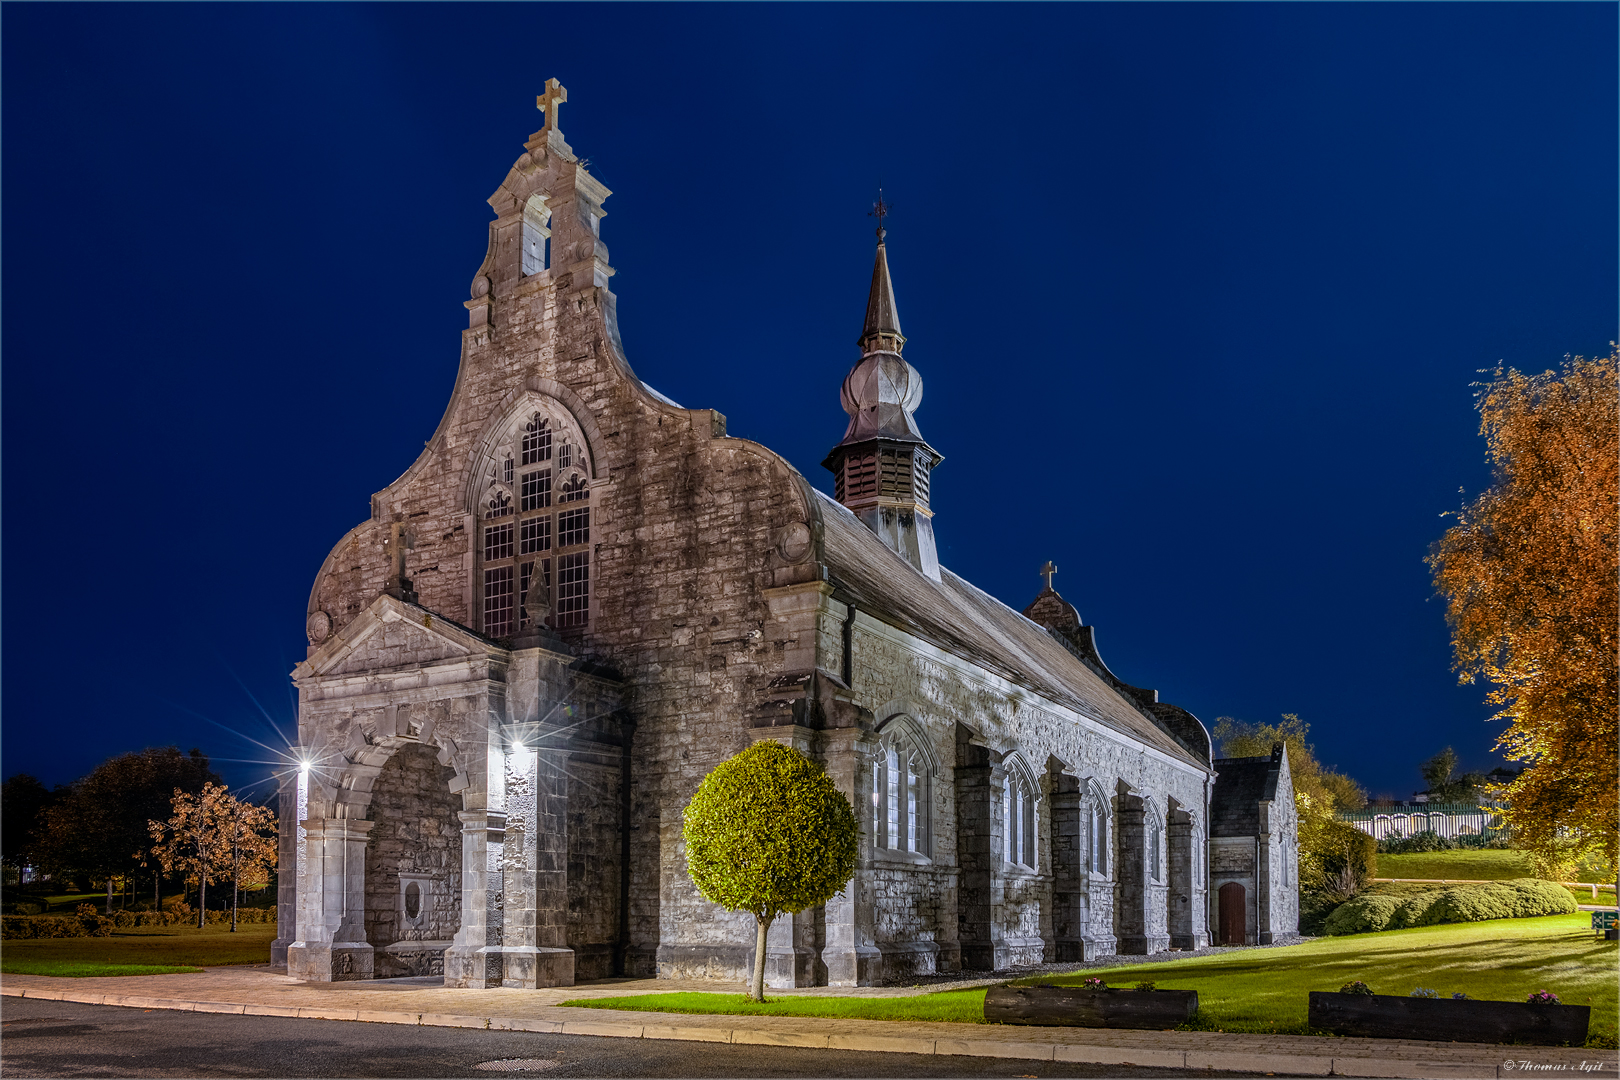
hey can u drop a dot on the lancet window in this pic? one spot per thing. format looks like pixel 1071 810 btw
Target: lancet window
pixel 900 801
pixel 529 547
pixel 1018 817
pixel 1097 846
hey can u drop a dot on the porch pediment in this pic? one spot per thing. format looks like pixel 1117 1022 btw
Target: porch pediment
pixel 392 635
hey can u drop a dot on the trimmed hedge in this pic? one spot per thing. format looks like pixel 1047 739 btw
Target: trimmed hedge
pixel 21 927
pixel 1522 898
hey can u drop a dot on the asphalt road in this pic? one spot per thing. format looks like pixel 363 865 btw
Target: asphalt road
pixel 56 1038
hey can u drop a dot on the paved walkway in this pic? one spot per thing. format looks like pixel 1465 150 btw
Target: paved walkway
pixel 257 991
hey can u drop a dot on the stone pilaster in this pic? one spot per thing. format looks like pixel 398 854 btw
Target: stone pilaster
pixel 851 956
pixel 1133 889
pixel 474 961
pixel 287 819
pixel 977 852
pixel 331 902
pixel 1186 914
pixel 1070 909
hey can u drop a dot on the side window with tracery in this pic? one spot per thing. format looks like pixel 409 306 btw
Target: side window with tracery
pixel 900 795
pixel 1018 819
pixel 539 567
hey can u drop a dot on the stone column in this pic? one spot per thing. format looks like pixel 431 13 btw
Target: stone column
pixel 1186 910
pixel 474 960
pixel 331 945
pixel 291 797
pixel 851 955
pixel 978 850
pixel 546 880
pixel 1264 882
pixel 1131 917
pixel 1069 892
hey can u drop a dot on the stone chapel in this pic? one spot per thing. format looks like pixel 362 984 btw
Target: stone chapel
pixel 582 596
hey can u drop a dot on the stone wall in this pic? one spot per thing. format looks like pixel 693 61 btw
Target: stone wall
pixel 416 841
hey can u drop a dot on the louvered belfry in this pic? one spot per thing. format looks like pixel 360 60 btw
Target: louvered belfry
pixel 881 468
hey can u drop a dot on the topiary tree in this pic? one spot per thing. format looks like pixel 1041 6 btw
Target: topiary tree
pixel 767 833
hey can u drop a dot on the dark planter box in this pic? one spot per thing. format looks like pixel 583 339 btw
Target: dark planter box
pixel 1075 1006
pixel 1384 1016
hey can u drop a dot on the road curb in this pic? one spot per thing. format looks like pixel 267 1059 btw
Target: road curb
pixel 1373 1068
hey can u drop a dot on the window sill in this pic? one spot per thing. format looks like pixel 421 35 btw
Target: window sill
pixel 904 858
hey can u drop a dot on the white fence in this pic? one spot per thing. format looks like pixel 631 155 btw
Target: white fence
pixel 1448 820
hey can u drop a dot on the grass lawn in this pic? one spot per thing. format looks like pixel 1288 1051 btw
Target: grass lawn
pixel 955 1006
pixel 1486 864
pixel 1503 960
pixel 172 948
pixel 1264 990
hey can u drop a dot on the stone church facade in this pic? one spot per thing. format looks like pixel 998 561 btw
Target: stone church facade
pixel 581 597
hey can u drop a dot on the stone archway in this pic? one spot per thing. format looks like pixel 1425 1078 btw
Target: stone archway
pixel 412 864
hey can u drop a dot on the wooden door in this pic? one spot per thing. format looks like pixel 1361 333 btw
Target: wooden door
pixel 1234 914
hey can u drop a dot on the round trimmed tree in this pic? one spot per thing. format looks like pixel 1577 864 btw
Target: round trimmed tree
pixel 767 833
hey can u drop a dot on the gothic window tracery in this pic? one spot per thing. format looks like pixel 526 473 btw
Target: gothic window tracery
pixel 1018 816
pixel 528 546
pixel 900 801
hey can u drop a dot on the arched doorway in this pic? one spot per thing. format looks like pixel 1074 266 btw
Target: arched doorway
pixel 1234 914
pixel 413 864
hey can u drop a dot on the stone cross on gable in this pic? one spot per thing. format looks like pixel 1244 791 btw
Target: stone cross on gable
pixel 550 103
pixel 1046 572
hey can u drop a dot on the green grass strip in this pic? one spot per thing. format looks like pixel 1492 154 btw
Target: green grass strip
pixel 951 1006
pixel 1266 990
pixel 64 969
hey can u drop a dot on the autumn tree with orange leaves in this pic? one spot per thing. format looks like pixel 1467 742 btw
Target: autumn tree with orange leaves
pixel 1528 573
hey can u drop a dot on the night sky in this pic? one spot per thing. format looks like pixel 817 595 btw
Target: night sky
pixel 1197 292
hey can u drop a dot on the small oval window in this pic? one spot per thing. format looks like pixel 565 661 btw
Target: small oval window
pixel 413 900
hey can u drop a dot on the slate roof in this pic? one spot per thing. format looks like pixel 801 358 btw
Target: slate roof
pixel 1241 785
pixel 964 620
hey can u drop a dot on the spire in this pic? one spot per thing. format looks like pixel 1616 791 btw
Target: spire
pixel 882 330
pixel 883 464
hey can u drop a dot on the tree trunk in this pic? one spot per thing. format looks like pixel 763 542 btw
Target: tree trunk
pixel 236 889
pixel 157 889
pixel 756 989
pixel 109 896
pixel 202 900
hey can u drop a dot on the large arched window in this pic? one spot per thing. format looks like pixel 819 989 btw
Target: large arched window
pixel 536 529
pixel 1019 795
pixel 900 782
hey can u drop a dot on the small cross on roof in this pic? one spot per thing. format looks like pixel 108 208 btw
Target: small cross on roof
pixel 550 103
pixel 1046 572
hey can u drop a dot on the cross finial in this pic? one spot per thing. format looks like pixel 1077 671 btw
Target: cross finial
pixel 550 103
pixel 1046 572
pixel 880 210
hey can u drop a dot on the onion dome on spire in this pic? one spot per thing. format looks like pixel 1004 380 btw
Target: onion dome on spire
pixel 883 465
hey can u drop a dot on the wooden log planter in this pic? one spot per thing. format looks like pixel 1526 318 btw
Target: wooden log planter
pixel 1076 1006
pixel 1384 1016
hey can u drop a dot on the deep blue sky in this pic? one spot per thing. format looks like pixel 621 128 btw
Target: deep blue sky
pixel 1197 292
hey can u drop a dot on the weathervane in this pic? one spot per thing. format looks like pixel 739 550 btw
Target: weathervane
pixel 880 210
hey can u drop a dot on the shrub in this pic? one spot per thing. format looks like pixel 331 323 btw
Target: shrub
pixel 92 922
pixel 41 926
pixel 1523 898
pixel 1147 986
pixel 1357 987
pixel 1349 856
pixel 1315 905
